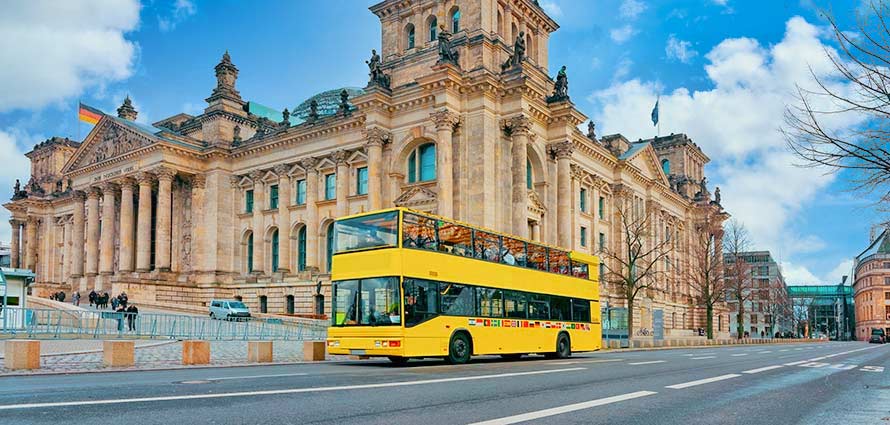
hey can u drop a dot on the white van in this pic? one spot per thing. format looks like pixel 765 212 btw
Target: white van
pixel 228 310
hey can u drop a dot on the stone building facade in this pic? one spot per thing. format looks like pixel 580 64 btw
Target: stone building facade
pixel 871 287
pixel 460 118
pixel 767 308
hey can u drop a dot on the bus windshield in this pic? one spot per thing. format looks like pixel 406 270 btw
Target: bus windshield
pixel 369 231
pixel 367 302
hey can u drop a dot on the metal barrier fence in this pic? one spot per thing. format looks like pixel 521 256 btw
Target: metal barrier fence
pixel 68 324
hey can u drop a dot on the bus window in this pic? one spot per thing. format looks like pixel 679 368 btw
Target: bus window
pixel 491 302
pixel 580 270
pixel 419 232
pixel 421 301
pixel 455 239
pixel 370 231
pixel 345 303
pixel 515 305
pixel 380 302
pixel 513 252
pixel 559 262
pixel 537 257
pixel 456 300
pixel 539 307
pixel 581 310
pixel 560 308
pixel 488 246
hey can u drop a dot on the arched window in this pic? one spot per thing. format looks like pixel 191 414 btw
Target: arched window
pixel 250 253
pixel 433 26
pixel 513 33
pixel 528 174
pixel 666 166
pixel 529 46
pixel 301 249
pixel 455 20
pixel 275 250
pixel 330 245
pixel 500 23
pixel 409 33
pixel 422 163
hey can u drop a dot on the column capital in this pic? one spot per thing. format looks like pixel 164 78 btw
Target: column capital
pixel 256 176
pixel 127 183
pixel 199 181
pixel 235 181
pixel 109 187
pixel 376 136
pixel 165 173
pixel 14 223
pixel 576 171
pixel 309 164
pixel 281 170
pixel 517 125
pixel 562 150
pixel 339 157
pixel 145 178
pixel 94 193
pixel 444 119
pixel 79 196
pixel 32 220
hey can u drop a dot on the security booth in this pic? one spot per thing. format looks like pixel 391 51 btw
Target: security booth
pixel 14 296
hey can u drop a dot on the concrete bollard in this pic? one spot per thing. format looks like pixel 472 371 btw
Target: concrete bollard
pixel 259 351
pixel 314 351
pixel 195 352
pixel 118 353
pixel 22 354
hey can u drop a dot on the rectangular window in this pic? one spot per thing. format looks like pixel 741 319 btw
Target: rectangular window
pixel 491 302
pixel 273 196
pixel 373 301
pixel 583 236
pixel 539 307
pixel 456 300
pixel 560 308
pixel 581 310
pixel 248 201
pixel 301 192
pixel 361 181
pixel 887 295
pixel 602 272
pixel 330 186
pixel 515 305
pixel 379 230
pixel 421 301
pixel 602 242
pixel 583 200
pixel 602 208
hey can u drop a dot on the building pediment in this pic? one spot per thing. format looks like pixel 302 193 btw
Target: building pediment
pixel 417 197
pixel 645 160
pixel 108 139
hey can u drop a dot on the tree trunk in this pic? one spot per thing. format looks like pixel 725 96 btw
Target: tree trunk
pixel 630 319
pixel 710 309
pixel 739 320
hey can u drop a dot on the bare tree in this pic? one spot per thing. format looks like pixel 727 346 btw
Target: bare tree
pixel 705 270
pixel 739 281
pixel 632 265
pixel 857 89
pixel 777 304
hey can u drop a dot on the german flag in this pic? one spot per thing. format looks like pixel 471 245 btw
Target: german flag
pixel 89 114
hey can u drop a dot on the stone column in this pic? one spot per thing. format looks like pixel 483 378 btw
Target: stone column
pixel 339 158
pixel 127 243
pixel 67 227
pixel 92 248
pixel 311 212
pixel 14 244
pixel 520 129
pixel 199 238
pixel 563 153
pixel 284 185
pixel 106 250
pixel 259 204
pixel 78 235
pixel 444 121
pixel 143 227
pixel 377 137
pixel 163 225
pixel 31 235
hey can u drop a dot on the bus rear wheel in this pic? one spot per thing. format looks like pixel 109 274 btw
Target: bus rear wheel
pixel 459 349
pixel 563 346
pixel 399 360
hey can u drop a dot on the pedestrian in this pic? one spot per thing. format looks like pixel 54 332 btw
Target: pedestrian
pixel 115 302
pixel 92 297
pixel 124 299
pixel 132 311
pixel 105 298
pixel 76 298
pixel 121 312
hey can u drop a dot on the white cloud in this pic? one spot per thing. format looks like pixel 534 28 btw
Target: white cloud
pixel 844 268
pixel 622 34
pixel 15 167
pixel 630 9
pixel 736 123
pixel 54 50
pixel 799 275
pixel 182 10
pixel 552 8
pixel 680 50
pixel 720 2
pixel 622 68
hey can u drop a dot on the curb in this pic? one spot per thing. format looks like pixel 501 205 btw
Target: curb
pixel 627 350
pixel 169 368
pixel 70 353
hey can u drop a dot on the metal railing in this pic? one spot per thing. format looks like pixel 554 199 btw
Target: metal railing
pixel 18 322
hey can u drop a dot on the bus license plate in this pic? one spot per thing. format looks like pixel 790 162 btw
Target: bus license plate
pixel 357 352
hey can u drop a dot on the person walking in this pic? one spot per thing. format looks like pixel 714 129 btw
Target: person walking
pixel 132 311
pixel 92 297
pixel 121 312
pixel 124 299
pixel 76 298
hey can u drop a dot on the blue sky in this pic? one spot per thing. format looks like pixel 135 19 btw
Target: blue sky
pixel 724 69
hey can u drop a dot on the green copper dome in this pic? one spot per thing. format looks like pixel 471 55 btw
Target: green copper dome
pixel 328 102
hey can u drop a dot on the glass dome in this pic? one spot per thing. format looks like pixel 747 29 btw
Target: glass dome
pixel 328 102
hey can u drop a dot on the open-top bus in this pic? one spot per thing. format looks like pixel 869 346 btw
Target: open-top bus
pixel 410 284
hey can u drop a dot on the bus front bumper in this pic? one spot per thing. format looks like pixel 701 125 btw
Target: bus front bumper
pixel 356 346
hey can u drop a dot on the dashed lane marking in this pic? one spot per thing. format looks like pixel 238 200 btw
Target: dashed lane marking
pixel 762 369
pixel 256 376
pixel 703 358
pixel 739 355
pixel 651 362
pixel 588 361
pixel 795 363
pixel 702 381
pixel 764 352
pixel 564 409
pixel 872 369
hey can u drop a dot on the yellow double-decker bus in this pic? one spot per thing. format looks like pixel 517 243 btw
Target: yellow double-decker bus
pixel 409 284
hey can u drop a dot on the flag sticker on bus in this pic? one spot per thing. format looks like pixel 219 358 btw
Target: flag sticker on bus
pixel 501 323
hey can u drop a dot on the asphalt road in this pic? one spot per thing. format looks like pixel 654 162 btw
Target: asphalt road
pixel 818 383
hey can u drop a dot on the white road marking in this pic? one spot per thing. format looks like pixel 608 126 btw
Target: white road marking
pixel 651 362
pixel 279 392
pixel 739 355
pixel 702 381
pixel 842 366
pixel 814 365
pixel 564 409
pixel 764 352
pixel 782 351
pixel 255 376
pixel 762 369
pixel 702 358
pixel 796 363
pixel 588 361
pixel 872 369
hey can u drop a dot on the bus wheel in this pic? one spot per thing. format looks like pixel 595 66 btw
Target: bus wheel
pixel 459 349
pixel 398 359
pixel 563 346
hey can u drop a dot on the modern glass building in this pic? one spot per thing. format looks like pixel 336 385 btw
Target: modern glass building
pixel 823 310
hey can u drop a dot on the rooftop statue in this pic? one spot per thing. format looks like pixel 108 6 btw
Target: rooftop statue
pixel 561 87
pixel 447 53
pixel 518 55
pixel 375 72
